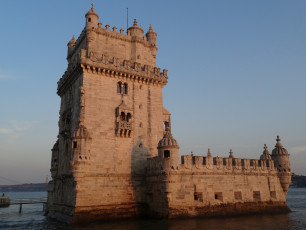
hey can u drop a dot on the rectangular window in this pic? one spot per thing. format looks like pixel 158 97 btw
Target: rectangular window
pixel 166 154
pixel 198 196
pixel 256 196
pixel 238 195
pixel 75 144
pixel 218 196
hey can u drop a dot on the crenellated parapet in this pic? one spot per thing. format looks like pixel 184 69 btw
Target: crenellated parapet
pixel 216 165
pixel 112 67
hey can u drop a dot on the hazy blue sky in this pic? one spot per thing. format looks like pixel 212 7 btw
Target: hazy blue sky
pixel 237 75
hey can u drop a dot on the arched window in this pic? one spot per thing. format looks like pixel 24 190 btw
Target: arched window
pixel 122 116
pixel 125 88
pixel 119 84
pixel 128 117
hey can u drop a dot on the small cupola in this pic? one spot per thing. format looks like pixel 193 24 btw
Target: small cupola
pixel 265 154
pixel 231 154
pixel 71 43
pixel 168 146
pixel 91 18
pixel 151 36
pixel 279 149
pixel 168 141
pixel 135 30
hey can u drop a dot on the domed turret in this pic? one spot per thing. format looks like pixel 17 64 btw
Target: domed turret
pixel 281 161
pixel 151 36
pixel 265 154
pixel 168 149
pixel 135 30
pixel 70 45
pixel 168 141
pixel 91 18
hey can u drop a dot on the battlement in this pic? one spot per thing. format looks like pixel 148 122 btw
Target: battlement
pixel 211 165
pixel 113 67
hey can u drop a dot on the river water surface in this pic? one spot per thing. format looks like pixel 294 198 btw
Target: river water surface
pixel 32 217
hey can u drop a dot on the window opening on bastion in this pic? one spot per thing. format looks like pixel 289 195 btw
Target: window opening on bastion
pixel 218 196
pixel 75 144
pixel 238 195
pixel 89 19
pixel 167 154
pixel 256 195
pixel 198 196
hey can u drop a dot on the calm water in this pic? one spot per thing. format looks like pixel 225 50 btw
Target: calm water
pixel 32 218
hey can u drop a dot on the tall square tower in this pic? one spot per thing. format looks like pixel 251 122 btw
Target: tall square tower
pixel 111 119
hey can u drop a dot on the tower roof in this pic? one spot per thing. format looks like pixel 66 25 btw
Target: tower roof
pixel 135 26
pixel 168 140
pixel 92 11
pixel 265 154
pixel 279 149
pixel 151 30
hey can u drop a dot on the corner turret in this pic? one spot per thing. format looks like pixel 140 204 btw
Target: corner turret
pixel 91 18
pixel 168 150
pixel 135 30
pixel 265 154
pixel 281 160
pixel 151 36
pixel 70 45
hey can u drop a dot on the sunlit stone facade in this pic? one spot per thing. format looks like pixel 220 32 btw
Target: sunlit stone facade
pixel 115 156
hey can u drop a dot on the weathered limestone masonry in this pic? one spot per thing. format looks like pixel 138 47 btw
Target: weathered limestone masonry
pixel 115 156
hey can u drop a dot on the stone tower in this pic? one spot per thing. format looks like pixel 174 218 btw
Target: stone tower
pixel 111 120
pixel 281 160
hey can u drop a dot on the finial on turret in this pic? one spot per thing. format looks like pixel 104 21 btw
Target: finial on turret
pixel 231 154
pixel 135 22
pixel 266 154
pixel 265 147
pixel 71 42
pixel 92 6
pixel 278 143
pixel 208 153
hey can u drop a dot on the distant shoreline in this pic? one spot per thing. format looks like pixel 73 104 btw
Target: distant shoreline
pixel 297 182
pixel 33 187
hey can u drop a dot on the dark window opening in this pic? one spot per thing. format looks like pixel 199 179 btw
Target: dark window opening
pixel 128 117
pixel 89 19
pixel 218 196
pixel 125 88
pixel 166 126
pixel 75 144
pixel 122 116
pixel 166 154
pixel 256 195
pixel 119 87
pixel 198 196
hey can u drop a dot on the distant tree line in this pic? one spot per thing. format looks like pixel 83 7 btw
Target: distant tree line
pixel 298 181
pixel 41 187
